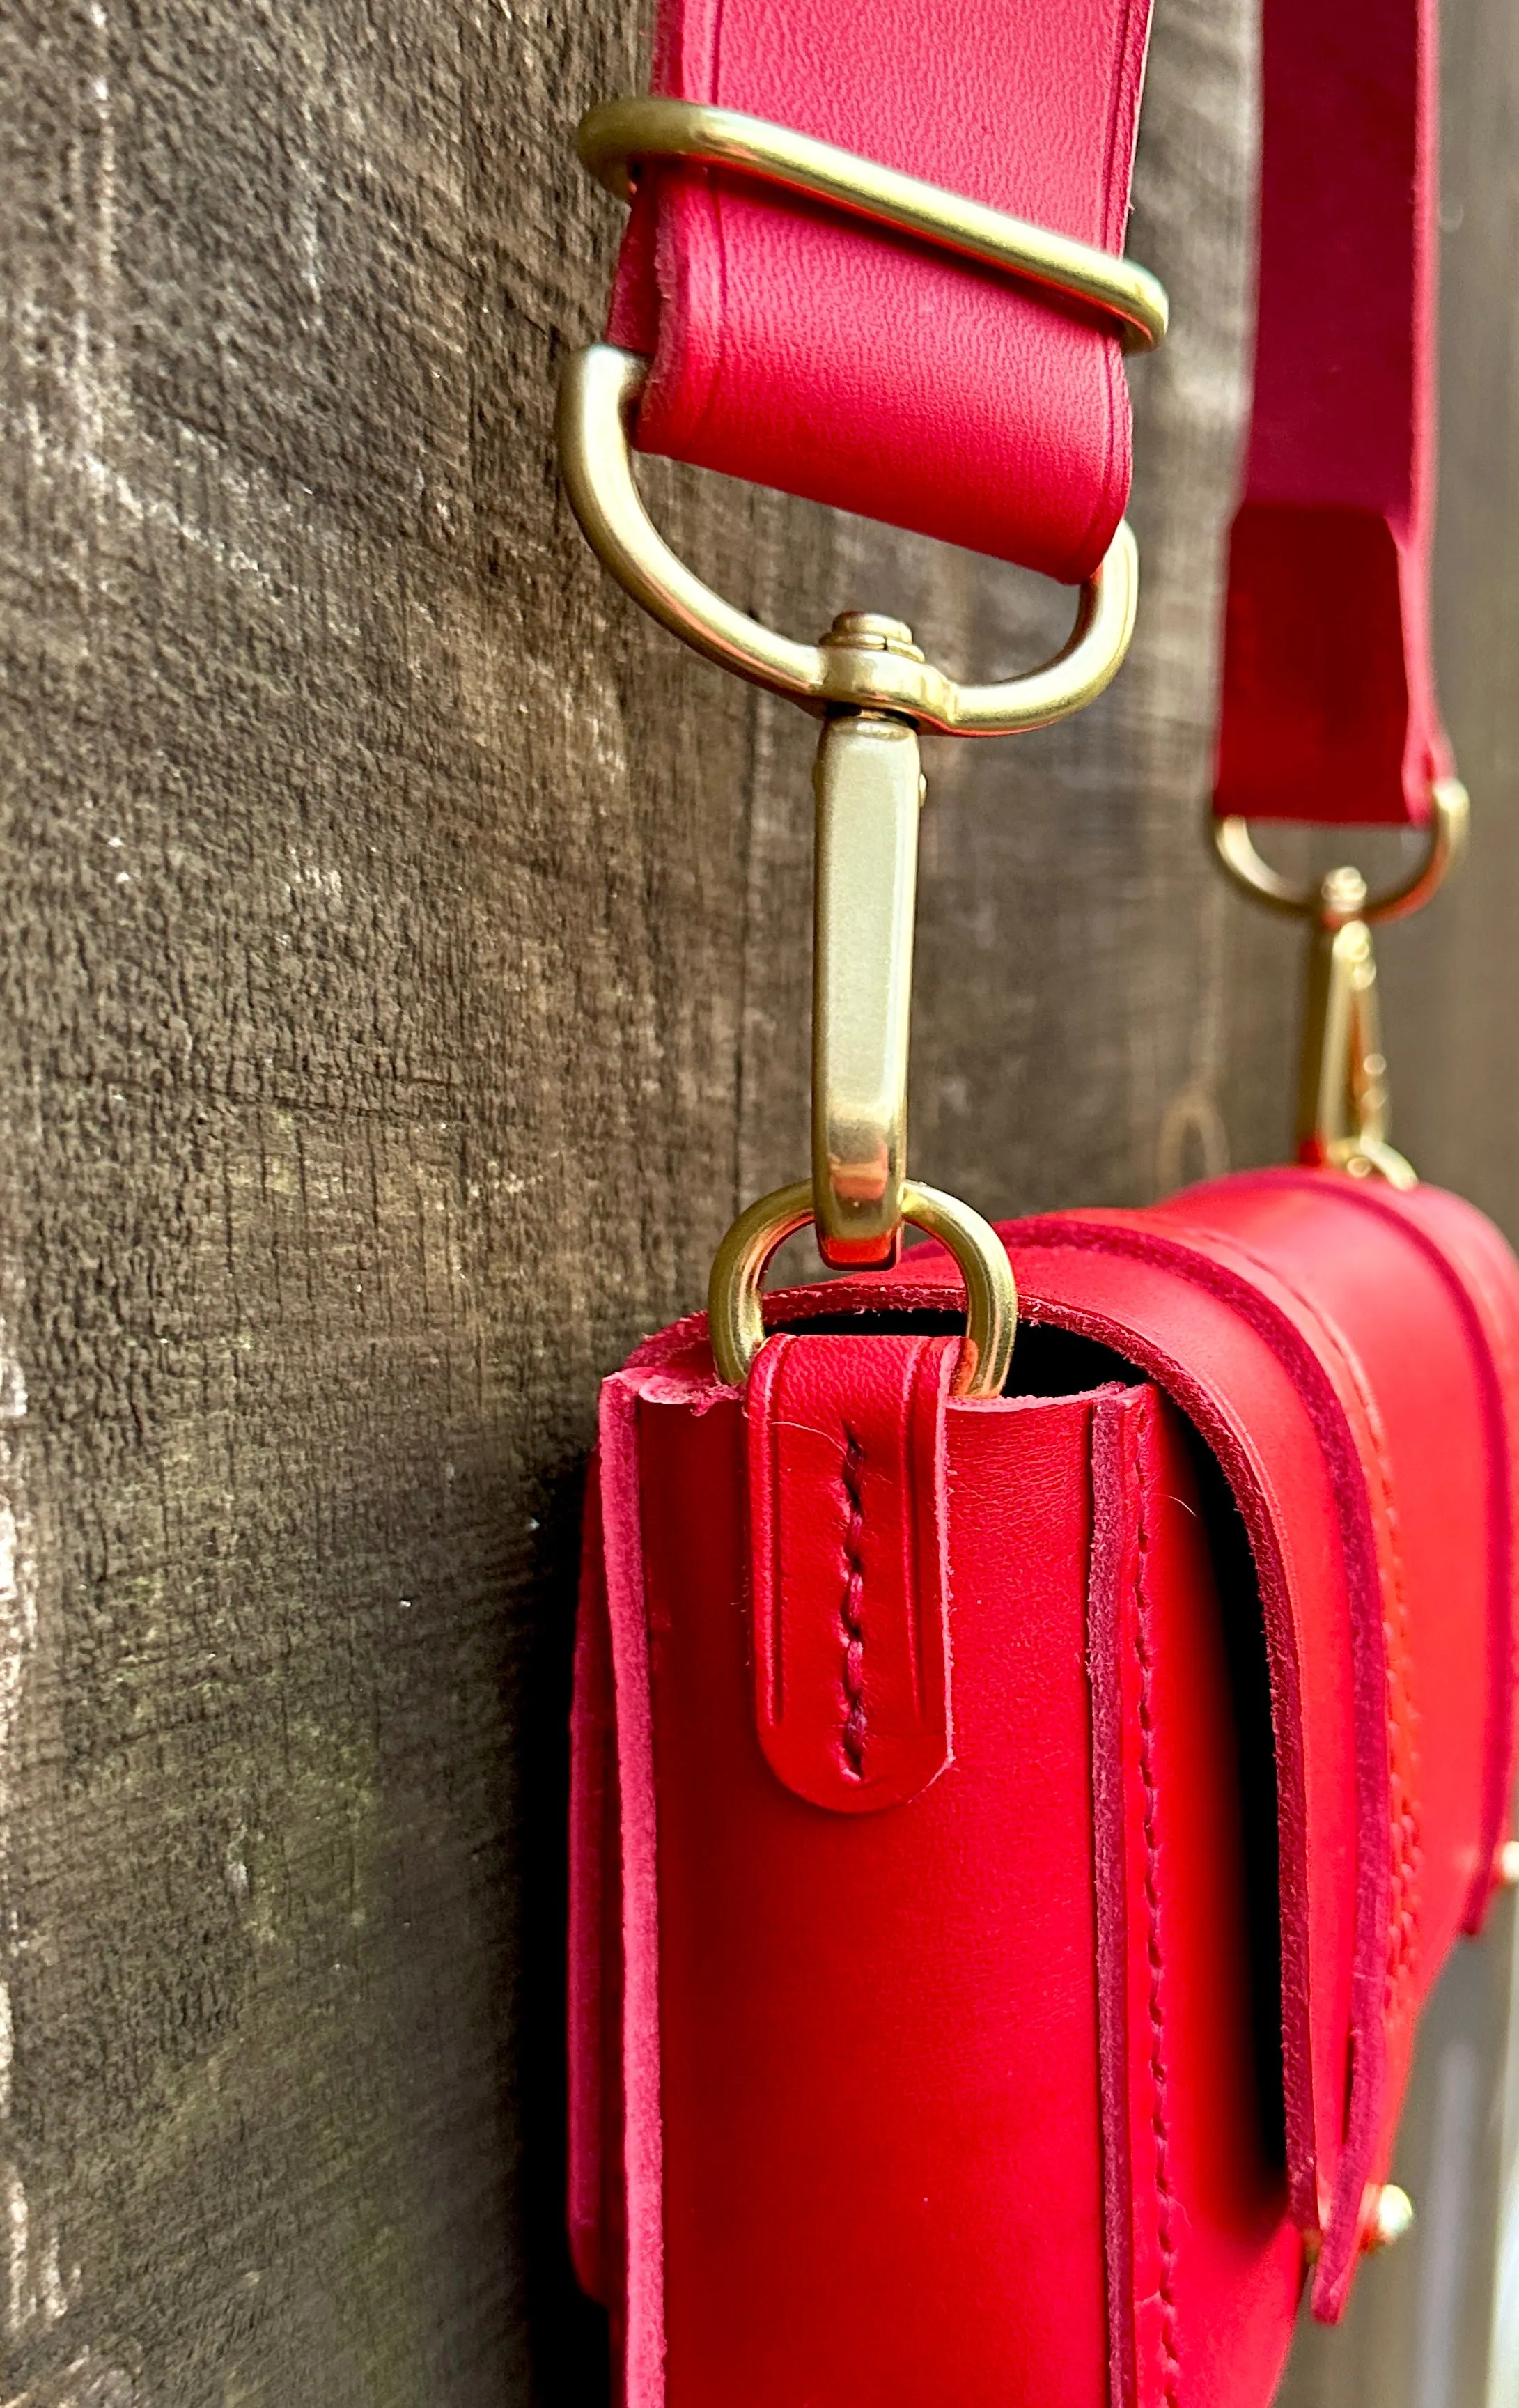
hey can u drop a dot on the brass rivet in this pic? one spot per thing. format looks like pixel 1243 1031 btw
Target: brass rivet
pixel 871 631
pixel 1391 2218
pixel 1341 896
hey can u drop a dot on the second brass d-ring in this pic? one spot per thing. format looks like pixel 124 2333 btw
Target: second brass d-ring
pixel 1446 842
pixel 735 1319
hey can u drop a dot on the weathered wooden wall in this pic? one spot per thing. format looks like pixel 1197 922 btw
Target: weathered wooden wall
pixel 404 979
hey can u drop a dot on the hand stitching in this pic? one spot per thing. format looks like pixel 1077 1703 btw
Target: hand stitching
pixel 849 1615
pixel 1173 2376
pixel 1399 1706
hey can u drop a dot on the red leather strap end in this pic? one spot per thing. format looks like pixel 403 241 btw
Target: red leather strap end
pixel 811 352
pixel 1328 706
pixel 848 1575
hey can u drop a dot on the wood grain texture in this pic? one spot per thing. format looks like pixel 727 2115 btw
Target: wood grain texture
pixel 405 980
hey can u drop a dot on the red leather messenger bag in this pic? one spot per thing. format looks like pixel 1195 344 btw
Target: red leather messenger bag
pixel 1023 1789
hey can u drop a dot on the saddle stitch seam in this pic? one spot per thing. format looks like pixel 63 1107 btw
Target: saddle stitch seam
pixel 852 1737
pixel 1400 1946
pixel 1173 2376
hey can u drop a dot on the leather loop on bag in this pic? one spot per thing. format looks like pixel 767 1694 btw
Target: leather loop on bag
pixel 848 1576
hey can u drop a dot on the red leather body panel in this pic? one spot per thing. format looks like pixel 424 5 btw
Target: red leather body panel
pixel 1329 705
pixel 878 2034
pixel 1034 1966
pixel 811 352
pixel 875 2027
pixel 847 1575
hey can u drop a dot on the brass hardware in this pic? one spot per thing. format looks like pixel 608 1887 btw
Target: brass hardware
pixel 599 395
pixel 1450 817
pixel 1342 1081
pixel 1342 1102
pixel 869 783
pixel 874 689
pixel 1506 1869
pixel 735 1318
pixel 620 134
pixel 1391 2218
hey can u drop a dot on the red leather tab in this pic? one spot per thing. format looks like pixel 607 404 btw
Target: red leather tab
pixel 1328 706
pixel 811 352
pixel 878 2035
pixel 846 1568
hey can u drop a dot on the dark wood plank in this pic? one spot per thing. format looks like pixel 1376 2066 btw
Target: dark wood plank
pixel 406 978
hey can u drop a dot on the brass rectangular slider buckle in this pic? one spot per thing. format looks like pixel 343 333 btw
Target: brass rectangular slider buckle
pixel 614 138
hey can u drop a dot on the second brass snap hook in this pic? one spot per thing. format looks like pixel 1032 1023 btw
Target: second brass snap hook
pixel 1343 1098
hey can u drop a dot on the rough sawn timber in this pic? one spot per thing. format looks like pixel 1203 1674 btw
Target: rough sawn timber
pixel 404 978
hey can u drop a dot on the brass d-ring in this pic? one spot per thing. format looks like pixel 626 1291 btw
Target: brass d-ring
pixel 735 1319
pixel 1446 842
pixel 599 395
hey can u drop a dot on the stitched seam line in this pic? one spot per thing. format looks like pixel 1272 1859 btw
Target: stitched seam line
pixel 1171 2376
pixel 851 1620
pixel 1405 1833
pixel 1488 1345
pixel 1405 1836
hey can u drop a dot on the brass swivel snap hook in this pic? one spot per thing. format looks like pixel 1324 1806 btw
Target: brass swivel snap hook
pixel 1342 1101
pixel 869 788
pixel 1343 1104
pixel 874 689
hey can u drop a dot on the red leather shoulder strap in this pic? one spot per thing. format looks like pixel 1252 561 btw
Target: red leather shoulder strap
pixel 1329 708
pixel 800 350
pixel 805 351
